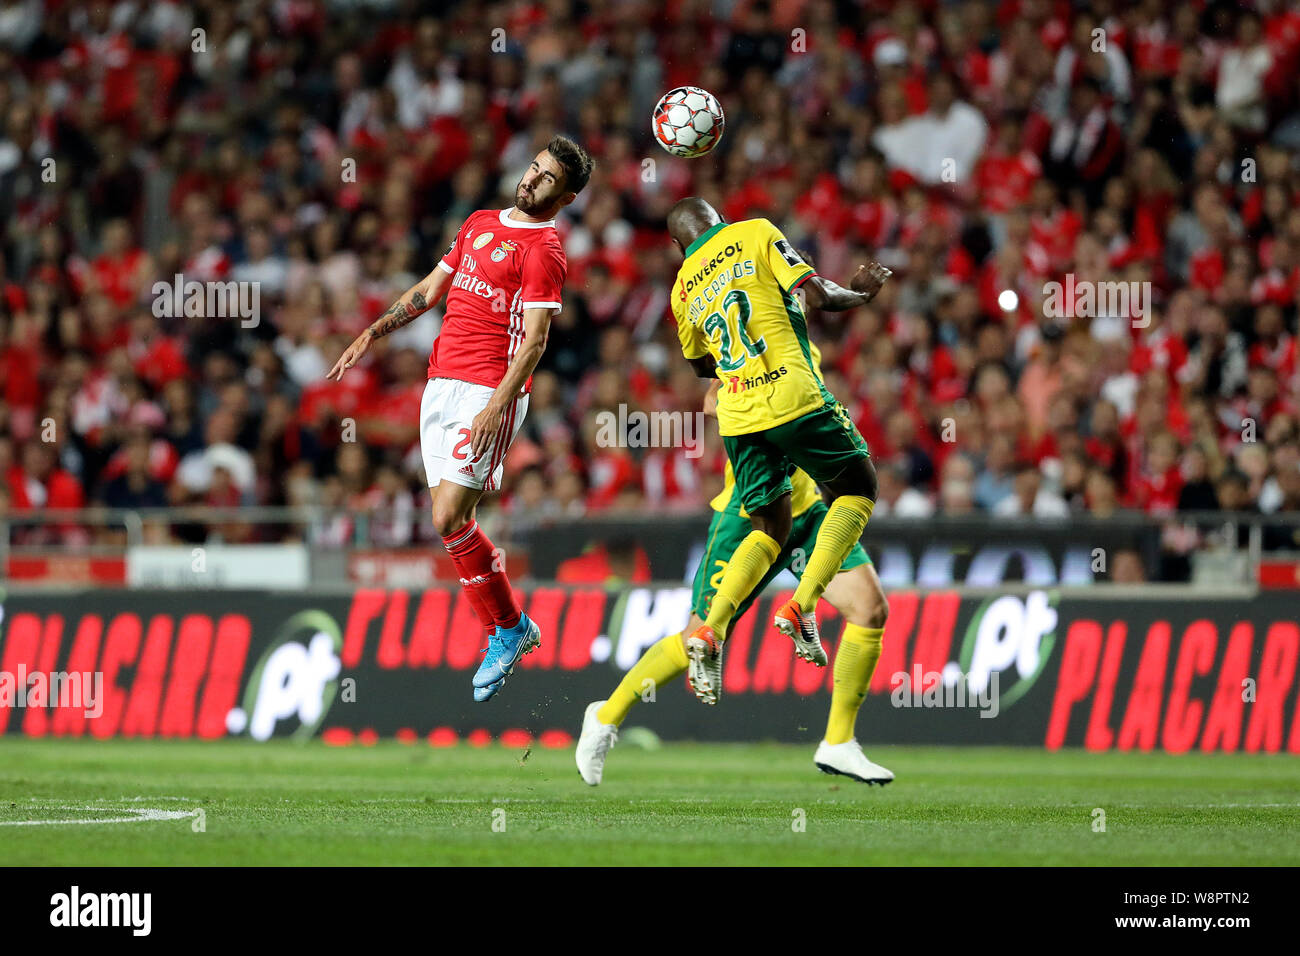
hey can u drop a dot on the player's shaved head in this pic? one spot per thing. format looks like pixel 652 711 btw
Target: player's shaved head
pixel 689 219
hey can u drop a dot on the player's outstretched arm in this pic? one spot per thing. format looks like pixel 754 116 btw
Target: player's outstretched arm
pixel 415 302
pixel 483 429
pixel 822 293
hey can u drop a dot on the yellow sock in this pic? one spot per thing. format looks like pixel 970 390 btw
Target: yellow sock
pixel 751 560
pixel 841 529
pixel 855 662
pixel 663 661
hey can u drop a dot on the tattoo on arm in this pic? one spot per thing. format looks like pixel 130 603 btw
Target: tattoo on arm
pixel 399 314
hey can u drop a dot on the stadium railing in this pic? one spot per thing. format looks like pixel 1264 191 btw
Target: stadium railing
pixel 1218 547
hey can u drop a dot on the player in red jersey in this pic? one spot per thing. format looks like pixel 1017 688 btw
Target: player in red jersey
pixel 502 275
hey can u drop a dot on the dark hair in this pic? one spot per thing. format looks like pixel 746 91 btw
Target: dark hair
pixel 575 160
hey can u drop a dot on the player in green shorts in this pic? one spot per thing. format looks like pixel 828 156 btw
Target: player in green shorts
pixel 727 529
pixel 855 592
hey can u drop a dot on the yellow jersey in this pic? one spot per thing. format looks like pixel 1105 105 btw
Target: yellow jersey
pixel 804 493
pixel 734 299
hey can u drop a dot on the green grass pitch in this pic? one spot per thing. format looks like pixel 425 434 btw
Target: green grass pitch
pixel 285 803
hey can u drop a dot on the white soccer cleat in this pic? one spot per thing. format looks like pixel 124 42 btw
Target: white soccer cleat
pixel 802 629
pixel 593 744
pixel 848 760
pixel 704 664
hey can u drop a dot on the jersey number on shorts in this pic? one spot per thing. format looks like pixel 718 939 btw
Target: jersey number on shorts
pixel 458 452
pixel 721 321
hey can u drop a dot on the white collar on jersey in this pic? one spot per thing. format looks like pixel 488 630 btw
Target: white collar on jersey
pixel 517 224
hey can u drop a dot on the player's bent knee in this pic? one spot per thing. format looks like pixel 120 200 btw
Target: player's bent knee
pixel 448 518
pixel 865 479
pixel 774 521
pixel 778 532
pixel 876 611
pixel 865 613
pixel 858 479
pixel 865 604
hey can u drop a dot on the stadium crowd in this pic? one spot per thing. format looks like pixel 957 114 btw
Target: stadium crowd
pixel 327 151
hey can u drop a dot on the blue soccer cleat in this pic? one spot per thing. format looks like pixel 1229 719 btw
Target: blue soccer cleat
pixel 504 650
pixel 483 693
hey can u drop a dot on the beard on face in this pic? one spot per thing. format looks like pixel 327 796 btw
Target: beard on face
pixel 525 202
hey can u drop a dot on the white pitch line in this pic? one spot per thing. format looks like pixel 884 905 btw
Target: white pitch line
pixel 114 799
pixel 148 799
pixel 145 815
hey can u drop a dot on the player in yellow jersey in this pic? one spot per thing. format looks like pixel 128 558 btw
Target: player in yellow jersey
pixel 855 592
pixel 739 321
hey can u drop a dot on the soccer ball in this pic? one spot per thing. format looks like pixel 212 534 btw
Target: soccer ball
pixel 688 121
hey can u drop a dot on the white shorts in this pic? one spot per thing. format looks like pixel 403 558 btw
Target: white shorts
pixel 447 411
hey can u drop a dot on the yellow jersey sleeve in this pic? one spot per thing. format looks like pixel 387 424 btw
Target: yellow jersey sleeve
pixel 694 345
pixel 788 269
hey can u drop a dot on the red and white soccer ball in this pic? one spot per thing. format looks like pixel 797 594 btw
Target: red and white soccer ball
pixel 688 121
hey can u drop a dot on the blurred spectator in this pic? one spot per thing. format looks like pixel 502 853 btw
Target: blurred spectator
pixel 197 470
pixel 943 144
pixel 135 487
pixel 614 562
pixel 1127 568
pixel 40 483
pixel 1242 68
pixel 996 479
pixel 1030 498
pixel 1197 491
pixel 896 497
pixel 957 487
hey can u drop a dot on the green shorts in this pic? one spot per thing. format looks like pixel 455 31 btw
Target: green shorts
pixel 728 529
pixel 823 443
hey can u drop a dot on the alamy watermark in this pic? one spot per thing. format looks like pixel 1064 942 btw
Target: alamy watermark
pixel 637 429
pixel 946 689
pixel 1089 300
pixel 212 300
pixel 84 689
pixel 75 908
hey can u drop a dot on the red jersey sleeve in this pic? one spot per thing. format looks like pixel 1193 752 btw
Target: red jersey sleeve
pixel 542 277
pixel 450 260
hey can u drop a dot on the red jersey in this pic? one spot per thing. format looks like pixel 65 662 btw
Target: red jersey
pixel 500 267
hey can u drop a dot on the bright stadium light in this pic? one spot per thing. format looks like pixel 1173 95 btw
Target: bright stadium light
pixel 1008 300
